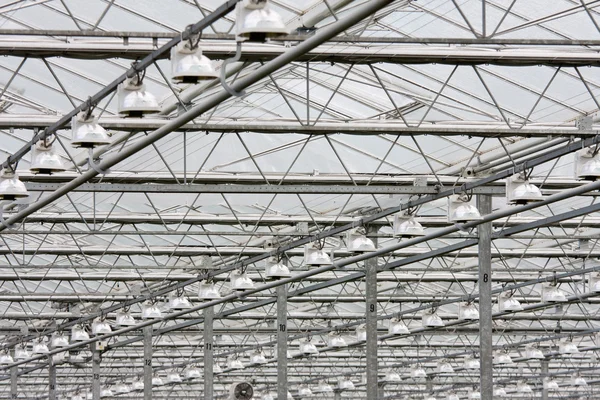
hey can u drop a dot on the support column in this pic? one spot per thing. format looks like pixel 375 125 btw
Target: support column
pixel 544 376
pixel 371 317
pixel 282 343
pixel 95 373
pixel 51 379
pixel 13 378
pixel 148 362
pixel 484 203
pixel 209 314
pixel 337 395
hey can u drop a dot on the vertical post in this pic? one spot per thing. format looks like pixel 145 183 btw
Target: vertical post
pixel 148 362
pixel 485 299
pixel 544 376
pixel 95 373
pixel 282 344
pixel 483 18
pixel 209 314
pixel 13 378
pixel 371 317
pixel 51 379
pixel 337 395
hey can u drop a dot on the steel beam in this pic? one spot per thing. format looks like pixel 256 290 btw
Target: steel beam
pixel 282 343
pixel 346 53
pixel 51 379
pixel 327 127
pixel 371 266
pixel 208 353
pixel 544 364
pixel 13 379
pixel 95 373
pixel 148 362
pixel 485 300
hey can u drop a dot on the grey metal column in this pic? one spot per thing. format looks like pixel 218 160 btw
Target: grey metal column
pixel 337 395
pixel 544 376
pixel 209 313
pixel 13 378
pixel 371 317
pixel 95 373
pixel 484 203
pixel 282 344
pixel 51 379
pixel 148 362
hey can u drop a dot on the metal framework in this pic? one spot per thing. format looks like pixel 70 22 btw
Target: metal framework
pixel 368 111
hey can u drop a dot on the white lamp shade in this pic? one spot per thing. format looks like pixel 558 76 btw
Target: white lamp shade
pixel 267 396
pixel 474 395
pixel 179 303
pixel 21 353
pixel 100 327
pixel 277 270
pixel 418 373
pixel 234 363
pixel 397 327
pixel 534 353
pixel 217 369
pixel 525 193
pixel 174 377
pixel 452 396
pixel 59 341
pixel 507 302
pixel 258 357
pixel 6 359
pixel 523 387
pixel 124 318
pixel 465 212
pixel 336 341
pixel 151 311
pixel 345 384
pixel 240 281
pixel 134 100
pixel 361 333
pixel 468 312
pixel 208 291
pixel 106 392
pixel 407 227
pixel 192 373
pixel 86 132
pixel 255 21
pixel 445 368
pixel 499 392
pixel 122 388
pixel 578 380
pixel 550 384
pixel 471 363
pixel 391 377
pixel 157 381
pixel 44 159
pixel 11 187
pixel 316 257
pixel 431 320
pixel 308 348
pixel 137 385
pixel 40 348
pixel 357 242
pixel 590 170
pixel 568 348
pixel 304 391
pixel 503 359
pixel 323 387
pixel 552 294
pixel 189 65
